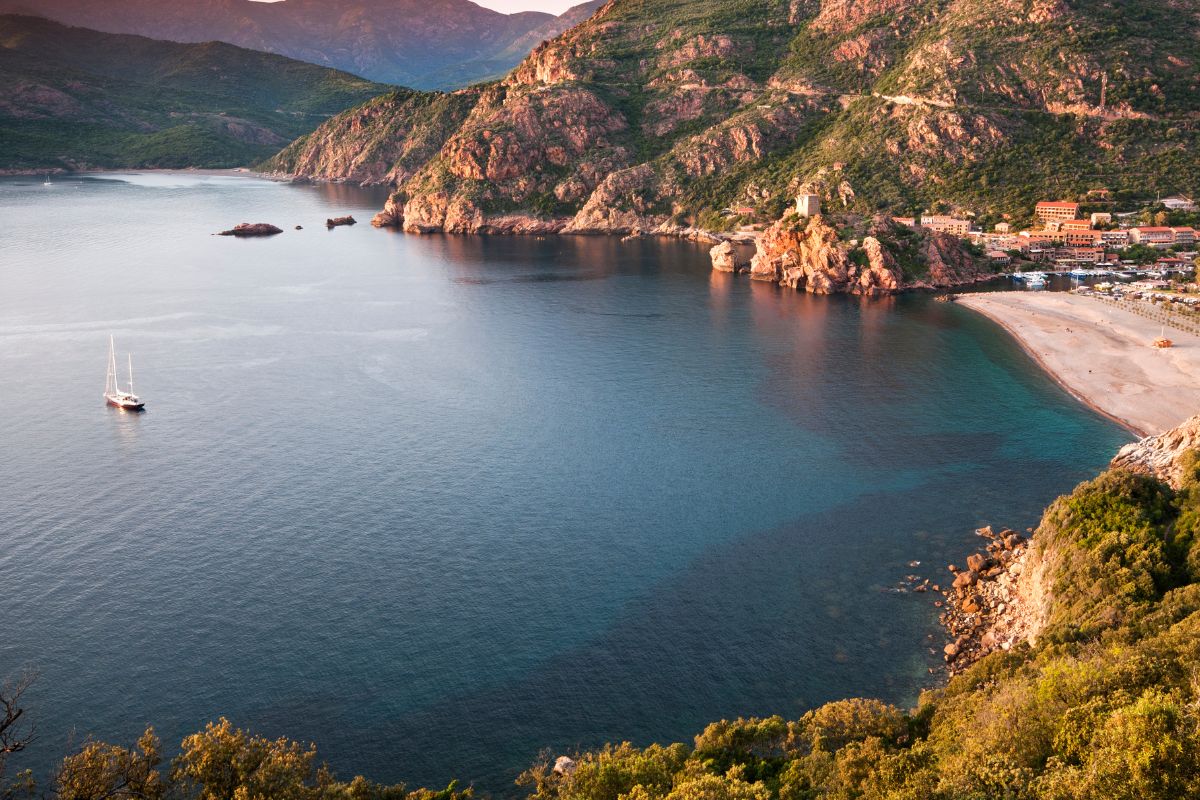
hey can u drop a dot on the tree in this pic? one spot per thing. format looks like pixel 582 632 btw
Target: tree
pixel 110 772
pixel 226 763
pixel 16 733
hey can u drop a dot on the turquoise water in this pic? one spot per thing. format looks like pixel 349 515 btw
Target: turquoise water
pixel 438 503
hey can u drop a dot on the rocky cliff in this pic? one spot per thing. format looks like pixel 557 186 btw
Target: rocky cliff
pixel 845 254
pixel 655 117
pixel 1163 455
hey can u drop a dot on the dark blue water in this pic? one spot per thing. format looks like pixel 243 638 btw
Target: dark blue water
pixel 439 503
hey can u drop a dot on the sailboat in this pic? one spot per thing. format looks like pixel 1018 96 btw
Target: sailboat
pixel 113 394
pixel 47 181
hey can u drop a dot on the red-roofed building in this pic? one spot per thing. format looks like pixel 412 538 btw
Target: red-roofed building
pixel 1048 210
pixel 1184 235
pixel 1075 225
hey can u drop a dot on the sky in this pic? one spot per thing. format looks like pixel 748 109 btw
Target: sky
pixel 512 6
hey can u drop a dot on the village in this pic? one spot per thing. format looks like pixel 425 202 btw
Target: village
pixel 1098 244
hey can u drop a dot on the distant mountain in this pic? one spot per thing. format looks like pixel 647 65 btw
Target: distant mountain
pixel 71 97
pixel 429 44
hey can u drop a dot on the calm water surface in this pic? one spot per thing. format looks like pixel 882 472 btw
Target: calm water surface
pixel 439 503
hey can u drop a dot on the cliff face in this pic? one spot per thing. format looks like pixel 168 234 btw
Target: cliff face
pixel 384 141
pixel 1162 456
pixel 651 116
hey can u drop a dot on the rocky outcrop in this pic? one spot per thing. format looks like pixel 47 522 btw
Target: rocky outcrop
pixel 811 256
pixel 991 604
pixel 252 229
pixel 334 222
pixel 1161 455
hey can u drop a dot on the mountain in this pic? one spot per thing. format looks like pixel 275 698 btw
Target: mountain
pixel 430 44
pixel 71 97
pixel 653 115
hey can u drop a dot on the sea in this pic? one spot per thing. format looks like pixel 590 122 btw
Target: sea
pixel 442 505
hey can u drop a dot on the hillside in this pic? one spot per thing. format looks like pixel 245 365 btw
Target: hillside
pixel 653 112
pixel 71 97
pixel 431 45
pixel 1089 691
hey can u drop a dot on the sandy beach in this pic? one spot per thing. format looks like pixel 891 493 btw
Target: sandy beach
pixel 1103 355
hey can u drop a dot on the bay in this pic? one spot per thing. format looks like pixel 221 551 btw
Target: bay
pixel 440 503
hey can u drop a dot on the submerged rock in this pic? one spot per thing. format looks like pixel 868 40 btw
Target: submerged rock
pixel 252 229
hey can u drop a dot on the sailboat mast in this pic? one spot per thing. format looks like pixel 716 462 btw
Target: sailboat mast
pixel 110 378
pixel 130 372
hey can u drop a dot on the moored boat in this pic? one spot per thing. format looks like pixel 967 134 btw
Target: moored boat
pixel 114 395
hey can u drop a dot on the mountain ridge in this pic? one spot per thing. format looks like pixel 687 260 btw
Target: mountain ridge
pixel 653 114
pixel 72 98
pixel 429 44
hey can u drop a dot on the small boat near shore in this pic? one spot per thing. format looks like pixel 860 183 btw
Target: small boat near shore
pixel 114 395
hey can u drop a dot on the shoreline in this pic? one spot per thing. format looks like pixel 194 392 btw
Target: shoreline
pixel 1136 385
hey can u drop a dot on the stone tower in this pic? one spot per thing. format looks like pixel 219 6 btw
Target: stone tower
pixel 808 205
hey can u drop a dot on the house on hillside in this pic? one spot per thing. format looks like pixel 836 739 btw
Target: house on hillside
pixel 1184 236
pixel 1178 202
pixel 942 224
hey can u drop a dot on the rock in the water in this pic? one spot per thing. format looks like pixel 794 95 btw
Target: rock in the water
pixel 249 229
pixel 976 562
pixel 299 227
pixel 731 257
pixel 333 222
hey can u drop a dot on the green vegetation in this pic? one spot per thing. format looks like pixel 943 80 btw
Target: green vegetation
pixel 1104 706
pixel 73 98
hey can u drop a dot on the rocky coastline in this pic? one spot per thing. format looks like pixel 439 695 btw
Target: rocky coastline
pixel 986 607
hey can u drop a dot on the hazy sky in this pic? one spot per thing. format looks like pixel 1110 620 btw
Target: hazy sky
pixel 511 6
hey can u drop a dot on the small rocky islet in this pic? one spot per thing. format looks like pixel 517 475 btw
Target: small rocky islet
pixel 246 229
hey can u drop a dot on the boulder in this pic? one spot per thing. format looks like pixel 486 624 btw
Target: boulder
pixel 965 579
pixel 976 562
pixel 252 229
pixel 565 765
pixel 731 257
pixel 333 222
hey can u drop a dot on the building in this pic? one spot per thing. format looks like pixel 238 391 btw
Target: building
pixel 1184 236
pixel 1075 225
pixel 808 205
pixel 999 258
pixel 1002 227
pixel 1101 218
pixel 1115 238
pixel 1159 237
pixel 1048 210
pixel 1178 202
pixel 909 221
pixel 1039 238
pixel 935 222
pixel 1084 238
